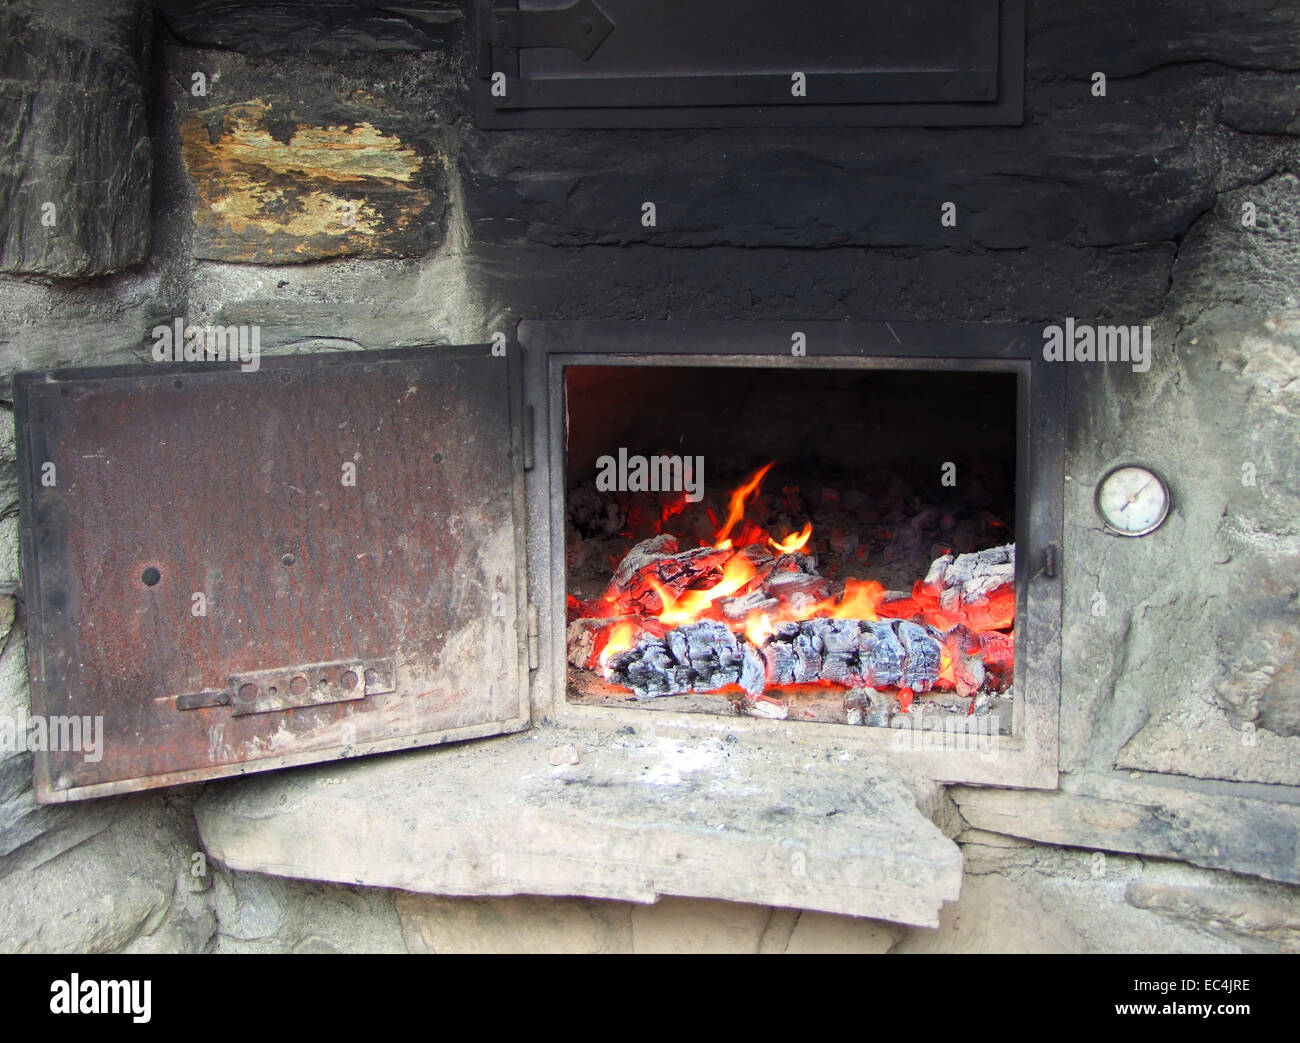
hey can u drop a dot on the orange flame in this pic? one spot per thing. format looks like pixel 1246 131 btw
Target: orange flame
pixel 738 500
pixel 947 670
pixel 695 604
pixel 796 541
pixel 622 636
pixel 862 598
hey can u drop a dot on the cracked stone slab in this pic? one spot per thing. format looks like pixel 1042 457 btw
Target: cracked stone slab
pixel 636 818
pixel 1148 816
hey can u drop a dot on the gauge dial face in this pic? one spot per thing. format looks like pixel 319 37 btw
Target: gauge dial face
pixel 1132 501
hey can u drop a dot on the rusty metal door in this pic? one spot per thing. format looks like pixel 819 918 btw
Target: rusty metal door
pixel 230 571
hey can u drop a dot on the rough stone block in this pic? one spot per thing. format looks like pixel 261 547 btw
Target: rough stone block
pixel 1266 104
pixel 1025 897
pixel 31 834
pixel 678 926
pixel 333 27
pixel 671 925
pixel 95 897
pixel 995 915
pixel 819 933
pixel 1123 39
pixel 263 914
pixel 1272 919
pixel 76 173
pixel 1036 899
pixel 645 282
pixel 1081 172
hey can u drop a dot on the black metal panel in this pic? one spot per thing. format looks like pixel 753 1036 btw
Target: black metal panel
pixel 238 571
pixel 615 63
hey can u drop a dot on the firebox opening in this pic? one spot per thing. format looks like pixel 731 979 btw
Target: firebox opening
pixel 833 545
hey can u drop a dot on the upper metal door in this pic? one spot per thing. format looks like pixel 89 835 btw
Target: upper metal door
pixel 739 62
pixel 230 571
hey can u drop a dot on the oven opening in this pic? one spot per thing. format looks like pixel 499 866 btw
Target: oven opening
pixel 832 545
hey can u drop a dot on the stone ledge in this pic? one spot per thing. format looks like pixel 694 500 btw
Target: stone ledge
pixel 1151 815
pixel 636 818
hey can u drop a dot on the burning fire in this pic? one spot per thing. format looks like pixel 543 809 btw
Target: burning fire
pixel 620 638
pixel 739 499
pixel 694 605
pixel 754 557
pixel 793 543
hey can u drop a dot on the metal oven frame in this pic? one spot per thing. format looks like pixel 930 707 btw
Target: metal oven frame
pixel 1027 758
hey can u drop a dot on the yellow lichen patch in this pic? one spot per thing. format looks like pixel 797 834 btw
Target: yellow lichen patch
pixel 325 191
pixel 243 202
pixel 336 152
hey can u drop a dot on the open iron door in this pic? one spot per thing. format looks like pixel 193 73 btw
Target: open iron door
pixel 236 571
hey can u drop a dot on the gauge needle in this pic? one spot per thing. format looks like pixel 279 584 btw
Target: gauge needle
pixel 1133 497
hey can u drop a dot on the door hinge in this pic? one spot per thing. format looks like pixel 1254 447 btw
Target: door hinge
pixel 580 28
pixel 533 651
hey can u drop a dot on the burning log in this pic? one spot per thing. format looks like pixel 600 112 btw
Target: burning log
pixel 737 610
pixel 708 657
pixel 974 590
pixel 852 652
pixel 697 657
pixel 655 568
pixel 971 579
pixel 790 587
pixel 997 653
pixel 658 562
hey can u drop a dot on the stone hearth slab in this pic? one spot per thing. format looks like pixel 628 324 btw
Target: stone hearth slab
pixel 619 816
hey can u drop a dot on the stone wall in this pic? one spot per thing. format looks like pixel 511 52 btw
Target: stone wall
pixel 1180 705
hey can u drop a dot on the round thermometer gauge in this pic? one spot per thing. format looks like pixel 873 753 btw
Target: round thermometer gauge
pixel 1132 501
